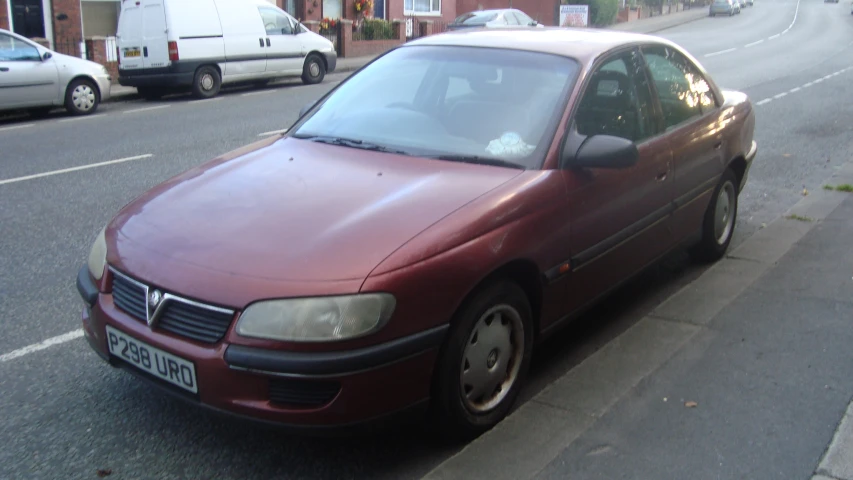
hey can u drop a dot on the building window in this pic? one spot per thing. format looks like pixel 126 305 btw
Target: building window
pixel 423 7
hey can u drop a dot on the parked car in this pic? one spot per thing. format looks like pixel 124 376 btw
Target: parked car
pixel 830 1
pixel 37 79
pixel 421 228
pixel 164 45
pixel 724 7
pixel 508 17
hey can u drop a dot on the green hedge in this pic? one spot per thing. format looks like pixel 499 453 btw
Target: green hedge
pixel 601 12
pixel 376 29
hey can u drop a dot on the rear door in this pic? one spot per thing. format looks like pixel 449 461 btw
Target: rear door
pixel 142 40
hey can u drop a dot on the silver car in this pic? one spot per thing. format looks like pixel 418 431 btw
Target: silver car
pixel 725 7
pixel 37 79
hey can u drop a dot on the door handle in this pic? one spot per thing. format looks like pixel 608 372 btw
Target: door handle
pixel 660 177
pixel 268 42
pixel 4 69
pixel 261 40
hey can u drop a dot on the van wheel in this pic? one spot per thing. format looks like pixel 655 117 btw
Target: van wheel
pixel 718 226
pixel 484 361
pixel 207 82
pixel 314 70
pixel 82 97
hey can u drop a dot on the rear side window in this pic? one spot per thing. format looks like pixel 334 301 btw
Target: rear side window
pixel 684 94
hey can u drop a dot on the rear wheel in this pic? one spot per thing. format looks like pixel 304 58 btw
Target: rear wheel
pixel 82 97
pixel 207 82
pixel 314 70
pixel 484 361
pixel 718 226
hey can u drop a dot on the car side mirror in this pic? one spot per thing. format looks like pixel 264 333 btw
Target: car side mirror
pixel 305 109
pixel 605 151
pixel 46 56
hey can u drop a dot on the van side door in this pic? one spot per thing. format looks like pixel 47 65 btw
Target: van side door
pixel 285 53
pixel 243 33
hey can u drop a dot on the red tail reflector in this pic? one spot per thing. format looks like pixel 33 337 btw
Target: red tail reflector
pixel 173 52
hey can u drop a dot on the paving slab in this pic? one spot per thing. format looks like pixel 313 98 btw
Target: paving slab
pixel 838 462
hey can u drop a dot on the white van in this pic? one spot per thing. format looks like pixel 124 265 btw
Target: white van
pixel 165 45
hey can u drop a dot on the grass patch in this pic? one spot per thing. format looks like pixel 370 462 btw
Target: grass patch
pixel 846 187
pixel 799 217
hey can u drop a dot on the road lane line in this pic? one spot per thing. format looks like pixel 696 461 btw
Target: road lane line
pixel 65 337
pixel 764 102
pixel 146 109
pixel 794 90
pixel 274 132
pixel 74 169
pixel 207 100
pixel 807 85
pixel 16 127
pixel 754 43
pixel 774 37
pixel 713 54
pixel 777 97
pixel 81 118
pixel 261 92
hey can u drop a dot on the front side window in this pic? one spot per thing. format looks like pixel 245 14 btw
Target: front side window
pixel 276 22
pixel 422 6
pixel 684 95
pixel 523 18
pixel 14 50
pixel 452 102
pixel 618 101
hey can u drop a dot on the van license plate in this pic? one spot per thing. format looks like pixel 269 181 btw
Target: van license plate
pixel 131 52
pixel 163 365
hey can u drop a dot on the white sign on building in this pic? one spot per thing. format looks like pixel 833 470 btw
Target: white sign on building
pixel 574 15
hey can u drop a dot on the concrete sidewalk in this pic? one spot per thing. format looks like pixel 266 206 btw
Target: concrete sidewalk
pixel 745 373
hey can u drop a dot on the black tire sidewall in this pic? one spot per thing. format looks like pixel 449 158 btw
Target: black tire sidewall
pixel 306 70
pixel 69 102
pixel 449 412
pixel 200 92
pixel 708 249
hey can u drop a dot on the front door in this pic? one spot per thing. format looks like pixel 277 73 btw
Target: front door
pixel 620 217
pixel 284 49
pixel 28 18
pixel 25 79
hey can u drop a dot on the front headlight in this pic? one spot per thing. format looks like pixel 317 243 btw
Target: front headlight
pixel 319 319
pixel 98 256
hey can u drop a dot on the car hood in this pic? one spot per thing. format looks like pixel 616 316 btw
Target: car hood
pixel 293 210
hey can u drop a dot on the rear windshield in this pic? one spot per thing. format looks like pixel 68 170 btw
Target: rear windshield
pixel 475 18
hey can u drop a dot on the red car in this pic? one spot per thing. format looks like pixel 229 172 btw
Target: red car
pixel 419 229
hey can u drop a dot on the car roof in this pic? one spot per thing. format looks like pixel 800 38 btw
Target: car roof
pixel 582 44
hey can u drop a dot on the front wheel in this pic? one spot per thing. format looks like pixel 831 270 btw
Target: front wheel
pixel 82 97
pixel 314 70
pixel 718 226
pixel 484 361
pixel 206 82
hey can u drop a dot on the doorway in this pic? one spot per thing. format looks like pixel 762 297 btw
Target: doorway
pixel 28 18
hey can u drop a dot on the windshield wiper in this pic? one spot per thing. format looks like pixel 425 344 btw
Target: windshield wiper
pixel 348 142
pixel 495 162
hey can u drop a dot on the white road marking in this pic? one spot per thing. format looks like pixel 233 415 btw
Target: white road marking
pixel 260 92
pixel 146 109
pixel 207 100
pixel 74 169
pixel 82 118
pixel 754 43
pixel 16 127
pixel 777 97
pixel 274 132
pixel 794 90
pixel 774 37
pixel 65 337
pixel 817 81
pixel 807 85
pixel 764 102
pixel 713 54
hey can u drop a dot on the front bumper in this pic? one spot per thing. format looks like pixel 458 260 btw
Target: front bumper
pixel 331 61
pixel 104 85
pixel 301 391
pixel 750 156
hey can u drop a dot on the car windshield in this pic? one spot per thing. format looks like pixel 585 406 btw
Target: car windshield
pixel 481 105
pixel 475 18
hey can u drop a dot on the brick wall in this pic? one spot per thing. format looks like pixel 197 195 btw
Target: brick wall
pixel 4 15
pixel 97 48
pixel 67 25
pixel 347 47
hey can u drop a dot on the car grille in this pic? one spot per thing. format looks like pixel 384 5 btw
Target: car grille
pixel 289 392
pixel 181 316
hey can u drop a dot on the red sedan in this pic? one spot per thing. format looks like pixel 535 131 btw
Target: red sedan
pixel 419 229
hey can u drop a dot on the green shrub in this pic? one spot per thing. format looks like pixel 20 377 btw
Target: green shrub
pixel 377 29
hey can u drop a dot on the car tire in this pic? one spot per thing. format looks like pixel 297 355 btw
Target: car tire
pixel 207 82
pixel 501 350
pixel 314 70
pixel 151 93
pixel 718 224
pixel 82 97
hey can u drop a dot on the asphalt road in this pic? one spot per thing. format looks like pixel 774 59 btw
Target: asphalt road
pixel 64 414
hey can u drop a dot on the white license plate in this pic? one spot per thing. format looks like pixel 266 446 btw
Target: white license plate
pixel 162 365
